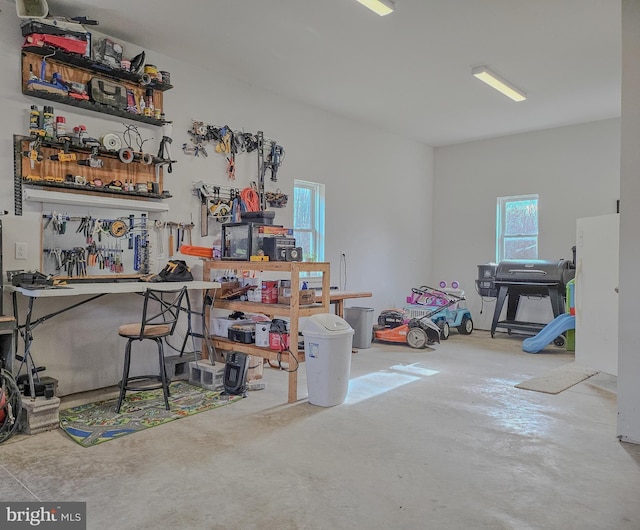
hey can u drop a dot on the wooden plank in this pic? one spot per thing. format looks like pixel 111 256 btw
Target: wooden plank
pixel 252 349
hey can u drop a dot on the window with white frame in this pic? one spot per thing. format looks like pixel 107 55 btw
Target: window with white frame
pixel 517 228
pixel 308 219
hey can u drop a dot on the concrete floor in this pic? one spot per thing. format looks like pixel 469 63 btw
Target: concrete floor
pixel 453 445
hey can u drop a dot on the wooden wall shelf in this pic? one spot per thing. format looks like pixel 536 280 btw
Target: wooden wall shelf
pixel 49 174
pixel 76 68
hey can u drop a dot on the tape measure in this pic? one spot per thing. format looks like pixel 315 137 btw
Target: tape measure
pixel 118 228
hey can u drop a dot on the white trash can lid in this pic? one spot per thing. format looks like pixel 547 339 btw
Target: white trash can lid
pixel 326 324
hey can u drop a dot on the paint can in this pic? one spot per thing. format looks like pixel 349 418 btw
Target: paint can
pixel 270 291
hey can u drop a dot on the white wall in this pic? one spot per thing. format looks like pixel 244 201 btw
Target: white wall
pixel 575 170
pixel 378 196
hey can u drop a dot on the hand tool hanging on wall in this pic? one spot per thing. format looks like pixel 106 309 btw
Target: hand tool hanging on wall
pixel 159 228
pixel 204 212
pixel 170 240
pixel 131 219
pixel 164 151
pixel 64 155
pixel 275 159
pixel 41 84
pixel 93 160
pixel 33 154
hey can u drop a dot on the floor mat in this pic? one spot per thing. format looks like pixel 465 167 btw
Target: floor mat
pixel 558 379
pixel 95 423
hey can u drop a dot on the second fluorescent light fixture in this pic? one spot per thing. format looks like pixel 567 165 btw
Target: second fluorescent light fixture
pixel 495 81
pixel 380 7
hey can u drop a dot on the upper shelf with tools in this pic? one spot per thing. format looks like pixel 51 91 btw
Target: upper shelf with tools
pixel 49 73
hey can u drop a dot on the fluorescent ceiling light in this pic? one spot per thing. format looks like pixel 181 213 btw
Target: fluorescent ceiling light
pixel 495 81
pixel 381 7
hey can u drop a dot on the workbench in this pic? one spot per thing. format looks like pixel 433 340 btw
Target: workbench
pixel 337 298
pixel 94 290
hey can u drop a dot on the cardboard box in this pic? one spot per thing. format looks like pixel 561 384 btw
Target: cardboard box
pixel 306 296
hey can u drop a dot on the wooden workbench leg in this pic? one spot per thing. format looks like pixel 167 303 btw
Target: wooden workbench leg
pixel 293 381
pixel 294 363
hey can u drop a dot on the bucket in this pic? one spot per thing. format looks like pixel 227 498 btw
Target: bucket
pixel 270 291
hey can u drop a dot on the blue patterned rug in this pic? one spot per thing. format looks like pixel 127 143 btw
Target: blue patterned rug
pixel 95 423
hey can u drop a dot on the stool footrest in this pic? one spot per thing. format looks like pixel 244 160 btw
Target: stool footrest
pixel 143 382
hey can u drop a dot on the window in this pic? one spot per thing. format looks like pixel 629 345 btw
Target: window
pixel 308 219
pixel 517 228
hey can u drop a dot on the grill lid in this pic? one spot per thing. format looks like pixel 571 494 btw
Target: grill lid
pixel 539 272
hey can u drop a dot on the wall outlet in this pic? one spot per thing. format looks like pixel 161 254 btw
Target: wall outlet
pixel 21 251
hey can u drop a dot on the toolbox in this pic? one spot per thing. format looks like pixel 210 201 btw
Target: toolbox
pixel 108 93
pixel 244 333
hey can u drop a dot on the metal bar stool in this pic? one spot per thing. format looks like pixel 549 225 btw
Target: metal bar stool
pixel 160 314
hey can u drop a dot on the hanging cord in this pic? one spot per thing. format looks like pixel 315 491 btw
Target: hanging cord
pixel 10 405
pixel 250 198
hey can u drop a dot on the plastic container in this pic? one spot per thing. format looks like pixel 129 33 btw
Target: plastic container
pixel 220 325
pixel 32 8
pixel 361 320
pixel 327 347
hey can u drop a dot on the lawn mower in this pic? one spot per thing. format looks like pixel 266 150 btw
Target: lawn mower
pixel 427 323
pixel 395 325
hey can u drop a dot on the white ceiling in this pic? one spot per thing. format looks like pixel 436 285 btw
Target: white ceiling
pixel 408 72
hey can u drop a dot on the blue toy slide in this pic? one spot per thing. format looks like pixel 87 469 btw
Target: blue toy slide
pixel 553 329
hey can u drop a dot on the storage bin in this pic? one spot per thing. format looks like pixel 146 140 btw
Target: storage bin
pixel 220 325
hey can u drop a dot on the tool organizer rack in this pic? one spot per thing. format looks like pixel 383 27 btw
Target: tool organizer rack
pixel 293 310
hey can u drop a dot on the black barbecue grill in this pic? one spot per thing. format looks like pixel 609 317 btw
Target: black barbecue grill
pixel 513 279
